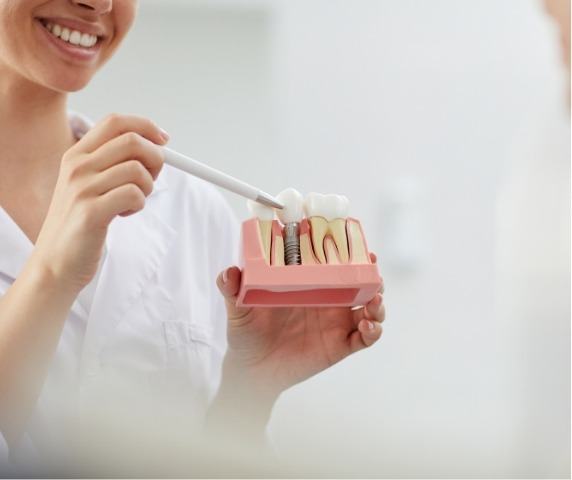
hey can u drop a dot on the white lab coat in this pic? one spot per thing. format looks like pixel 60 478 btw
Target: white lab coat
pixel 156 333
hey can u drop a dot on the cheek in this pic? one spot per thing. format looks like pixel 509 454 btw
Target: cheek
pixel 8 21
pixel 123 16
pixel 16 37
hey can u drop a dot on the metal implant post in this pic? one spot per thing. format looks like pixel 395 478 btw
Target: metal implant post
pixel 292 255
pixel 291 216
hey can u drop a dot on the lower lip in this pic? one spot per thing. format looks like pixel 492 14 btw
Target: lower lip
pixel 69 51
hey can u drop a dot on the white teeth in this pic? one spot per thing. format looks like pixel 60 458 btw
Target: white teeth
pixel 329 207
pixel 86 40
pixel 293 210
pixel 323 239
pixel 65 34
pixel 259 211
pixel 74 37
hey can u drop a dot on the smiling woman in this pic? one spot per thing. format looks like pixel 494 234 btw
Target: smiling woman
pixel 112 330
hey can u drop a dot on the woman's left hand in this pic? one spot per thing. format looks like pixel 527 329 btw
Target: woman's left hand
pixel 272 349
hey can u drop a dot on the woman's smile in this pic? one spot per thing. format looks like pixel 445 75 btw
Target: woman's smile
pixel 74 40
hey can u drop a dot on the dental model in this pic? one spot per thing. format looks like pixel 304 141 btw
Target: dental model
pixel 321 260
pixel 291 216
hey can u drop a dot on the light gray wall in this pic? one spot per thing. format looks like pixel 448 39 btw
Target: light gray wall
pixel 410 109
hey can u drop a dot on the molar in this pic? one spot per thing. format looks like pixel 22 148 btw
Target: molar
pixel 327 215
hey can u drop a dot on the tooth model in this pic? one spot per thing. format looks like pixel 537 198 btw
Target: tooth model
pixel 291 216
pixel 327 216
pixel 265 216
pixel 334 268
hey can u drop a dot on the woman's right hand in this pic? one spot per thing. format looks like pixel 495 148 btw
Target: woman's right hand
pixel 109 172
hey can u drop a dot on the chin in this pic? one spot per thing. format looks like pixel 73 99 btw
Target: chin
pixel 67 83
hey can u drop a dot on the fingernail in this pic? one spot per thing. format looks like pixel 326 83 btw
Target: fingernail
pixel 225 276
pixel 164 135
pixel 370 325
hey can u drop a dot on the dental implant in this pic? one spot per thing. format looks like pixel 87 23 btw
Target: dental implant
pixel 291 216
pixel 292 255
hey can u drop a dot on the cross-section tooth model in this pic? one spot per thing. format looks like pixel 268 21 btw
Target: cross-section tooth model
pixel 320 260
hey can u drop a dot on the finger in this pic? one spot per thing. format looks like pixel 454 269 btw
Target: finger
pixel 124 200
pixel 228 282
pixel 365 336
pixel 363 314
pixel 129 146
pixel 375 310
pixel 115 125
pixel 131 171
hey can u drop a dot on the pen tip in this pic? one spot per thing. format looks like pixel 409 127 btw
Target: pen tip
pixel 269 201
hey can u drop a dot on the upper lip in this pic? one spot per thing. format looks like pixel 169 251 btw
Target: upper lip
pixel 75 24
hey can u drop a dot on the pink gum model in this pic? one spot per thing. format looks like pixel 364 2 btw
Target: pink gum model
pixel 345 285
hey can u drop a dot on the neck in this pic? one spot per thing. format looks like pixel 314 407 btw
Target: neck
pixel 34 130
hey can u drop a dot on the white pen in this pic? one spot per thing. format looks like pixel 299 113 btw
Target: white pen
pixel 216 177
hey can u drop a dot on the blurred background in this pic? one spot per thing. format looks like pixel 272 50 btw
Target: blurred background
pixel 412 109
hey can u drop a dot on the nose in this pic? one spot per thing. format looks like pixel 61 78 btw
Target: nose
pixel 100 7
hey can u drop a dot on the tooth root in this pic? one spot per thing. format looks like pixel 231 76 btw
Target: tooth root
pixel 277 255
pixel 319 230
pixel 278 252
pixel 306 249
pixel 265 228
pixel 331 251
pixel 338 231
pixel 357 245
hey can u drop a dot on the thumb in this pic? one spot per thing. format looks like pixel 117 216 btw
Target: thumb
pixel 228 282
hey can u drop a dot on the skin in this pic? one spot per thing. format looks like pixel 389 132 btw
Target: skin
pixel 64 194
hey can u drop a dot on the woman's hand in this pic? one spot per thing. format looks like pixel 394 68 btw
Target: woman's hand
pixel 272 349
pixel 109 172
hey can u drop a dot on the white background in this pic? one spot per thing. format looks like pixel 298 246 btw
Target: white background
pixel 410 108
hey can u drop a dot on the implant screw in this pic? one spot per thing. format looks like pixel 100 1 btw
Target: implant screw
pixel 292 254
